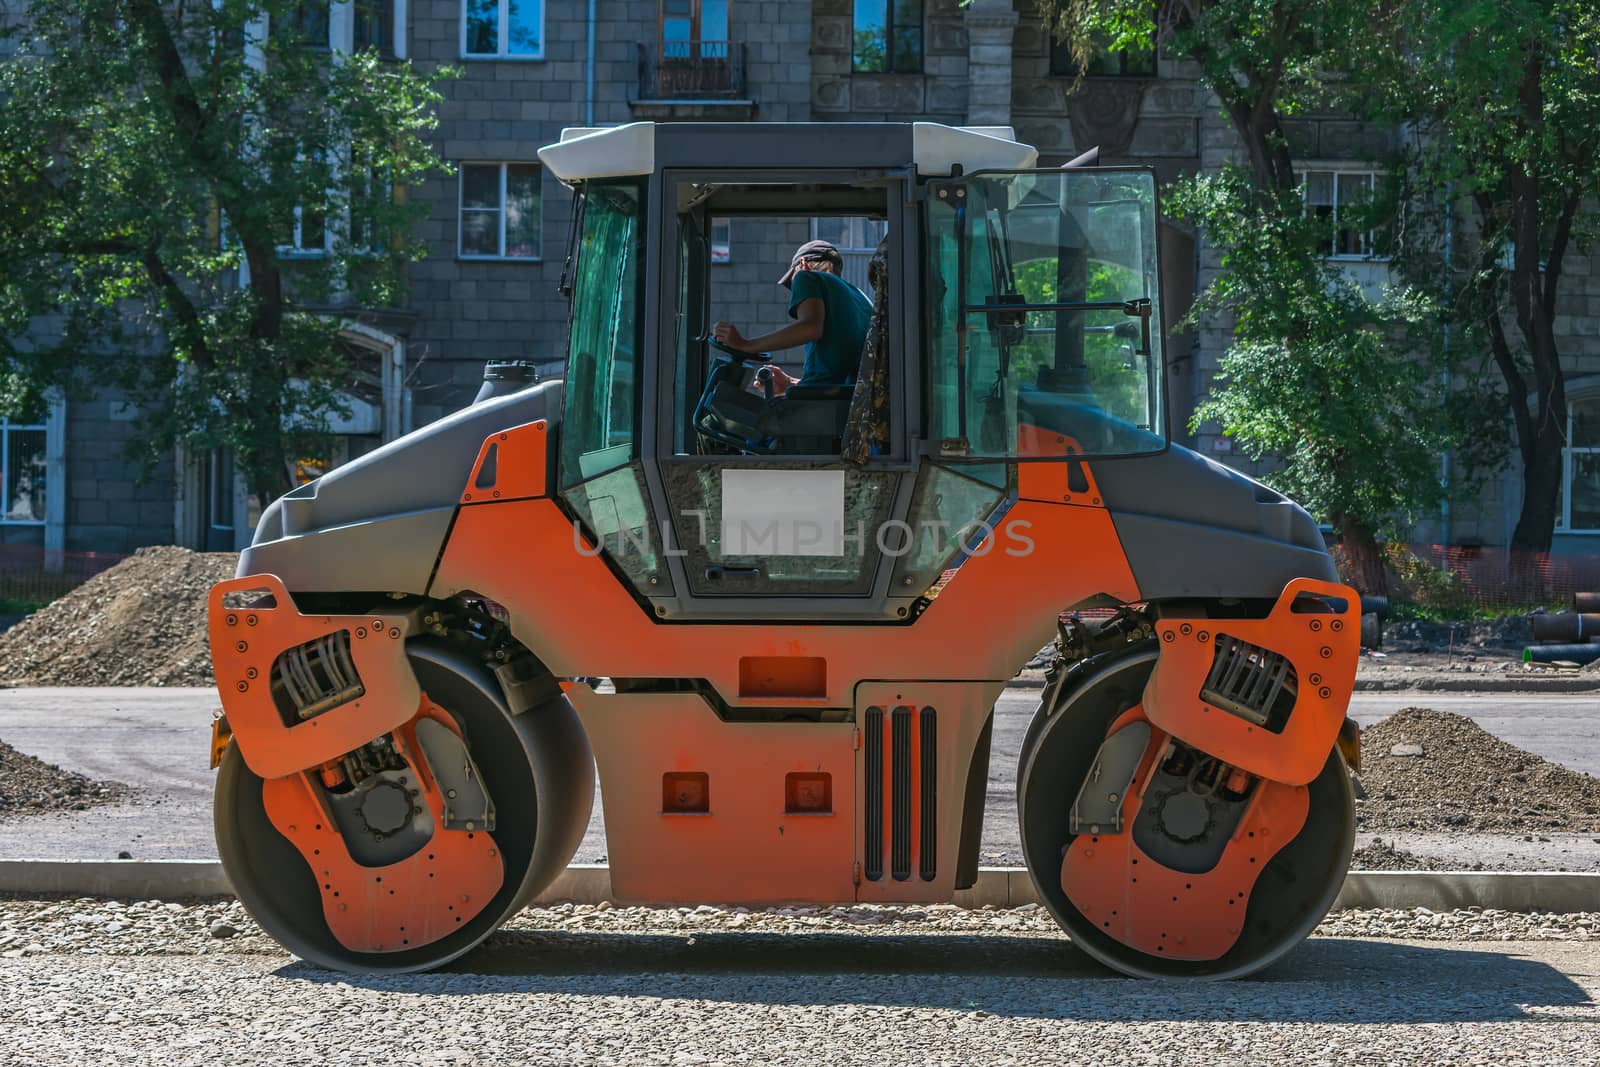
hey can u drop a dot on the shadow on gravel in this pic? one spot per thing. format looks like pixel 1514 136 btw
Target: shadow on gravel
pixel 1323 980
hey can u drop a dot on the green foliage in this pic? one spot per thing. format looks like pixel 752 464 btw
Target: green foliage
pixel 1505 98
pixel 1427 591
pixel 1119 379
pixel 148 152
pixel 1264 59
pixel 1340 388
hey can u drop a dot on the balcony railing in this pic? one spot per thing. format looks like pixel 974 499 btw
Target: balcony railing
pixel 691 70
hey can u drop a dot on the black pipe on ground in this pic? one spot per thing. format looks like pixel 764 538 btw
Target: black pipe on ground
pixel 1579 654
pixel 1586 601
pixel 1568 626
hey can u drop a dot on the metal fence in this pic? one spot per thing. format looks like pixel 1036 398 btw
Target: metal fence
pixel 691 70
pixel 34 575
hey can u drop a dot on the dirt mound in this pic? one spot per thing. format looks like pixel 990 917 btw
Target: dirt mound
pixel 143 622
pixel 1382 855
pixel 1431 770
pixel 1510 633
pixel 29 786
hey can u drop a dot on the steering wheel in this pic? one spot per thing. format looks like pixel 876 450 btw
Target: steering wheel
pixel 754 357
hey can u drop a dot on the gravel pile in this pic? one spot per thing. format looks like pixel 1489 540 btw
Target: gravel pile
pixel 1431 770
pixel 29 786
pixel 221 927
pixel 143 622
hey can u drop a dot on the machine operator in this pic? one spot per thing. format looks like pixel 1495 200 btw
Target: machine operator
pixel 831 319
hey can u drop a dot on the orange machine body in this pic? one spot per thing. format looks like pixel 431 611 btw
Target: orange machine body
pixel 743 803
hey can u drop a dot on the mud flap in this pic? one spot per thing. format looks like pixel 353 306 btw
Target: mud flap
pixel 246 643
pixel 1221 685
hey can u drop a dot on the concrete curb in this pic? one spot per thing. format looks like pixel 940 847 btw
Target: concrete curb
pixel 1476 684
pixel 1553 891
pixel 1480 684
pixel 997 887
pixel 116 878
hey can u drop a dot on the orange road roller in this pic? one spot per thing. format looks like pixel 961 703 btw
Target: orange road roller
pixel 769 587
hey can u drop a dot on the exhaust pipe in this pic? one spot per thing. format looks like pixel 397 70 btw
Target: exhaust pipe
pixel 502 377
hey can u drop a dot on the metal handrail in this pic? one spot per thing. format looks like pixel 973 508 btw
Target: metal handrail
pixel 691 70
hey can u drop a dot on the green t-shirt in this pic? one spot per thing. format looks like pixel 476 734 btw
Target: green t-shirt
pixel 835 357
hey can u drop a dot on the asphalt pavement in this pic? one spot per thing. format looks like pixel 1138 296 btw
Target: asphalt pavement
pixel 157 741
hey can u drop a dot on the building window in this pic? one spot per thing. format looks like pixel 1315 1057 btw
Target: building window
pixel 370 192
pixel 374 25
pixel 502 29
pixel 22 473
pixel 500 209
pixel 309 234
pixel 721 241
pixel 856 238
pixel 307 23
pixel 1341 197
pixel 888 36
pixel 1103 62
pixel 689 26
pixel 1580 465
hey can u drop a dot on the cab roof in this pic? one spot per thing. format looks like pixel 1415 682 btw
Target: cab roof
pixel 644 147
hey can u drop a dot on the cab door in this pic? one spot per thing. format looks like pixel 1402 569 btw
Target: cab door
pixel 769 520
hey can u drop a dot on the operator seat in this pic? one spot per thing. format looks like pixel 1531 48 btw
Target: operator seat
pixel 866 428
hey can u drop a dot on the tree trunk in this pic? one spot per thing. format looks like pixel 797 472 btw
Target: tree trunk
pixel 1541 490
pixel 1363 559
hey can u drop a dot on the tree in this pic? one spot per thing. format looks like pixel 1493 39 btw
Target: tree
pixel 190 200
pixel 1507 97
pixel 1341 389
pixel 1335 386
pixel 1264 59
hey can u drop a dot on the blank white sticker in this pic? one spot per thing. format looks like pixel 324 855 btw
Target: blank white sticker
pixel 782 513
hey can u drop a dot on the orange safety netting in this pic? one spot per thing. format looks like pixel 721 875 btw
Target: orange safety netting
pixel 1479 579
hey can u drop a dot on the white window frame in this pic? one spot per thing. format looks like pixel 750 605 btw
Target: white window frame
pixel 295 249
pixel 1335 172
pixel 6 428
pixel 374 245
pixel 1564 518
pixel 461 186
pixel 502 38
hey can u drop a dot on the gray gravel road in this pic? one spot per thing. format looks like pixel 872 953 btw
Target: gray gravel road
pixel 879 986
pixel 156 739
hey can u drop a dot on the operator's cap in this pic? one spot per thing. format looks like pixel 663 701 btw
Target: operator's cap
pixel 812 250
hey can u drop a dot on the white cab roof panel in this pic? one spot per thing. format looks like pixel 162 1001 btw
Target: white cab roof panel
pixel 614 152
pixel 622 151
pixel 935 148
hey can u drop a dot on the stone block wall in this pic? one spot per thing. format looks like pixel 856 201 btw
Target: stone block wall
pixel 467 311
pixel 111 506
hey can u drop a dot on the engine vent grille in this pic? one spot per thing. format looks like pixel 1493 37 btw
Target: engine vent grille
pixel 930 780
pixel 873 802
pixel 315 677
pixel 900 813
pixel 1251 682
pixel 900 752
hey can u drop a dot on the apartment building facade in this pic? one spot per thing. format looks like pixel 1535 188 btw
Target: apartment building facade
pixel 497 225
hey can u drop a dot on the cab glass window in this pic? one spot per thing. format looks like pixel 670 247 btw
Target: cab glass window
pixel 600 427
pixel 1044 315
